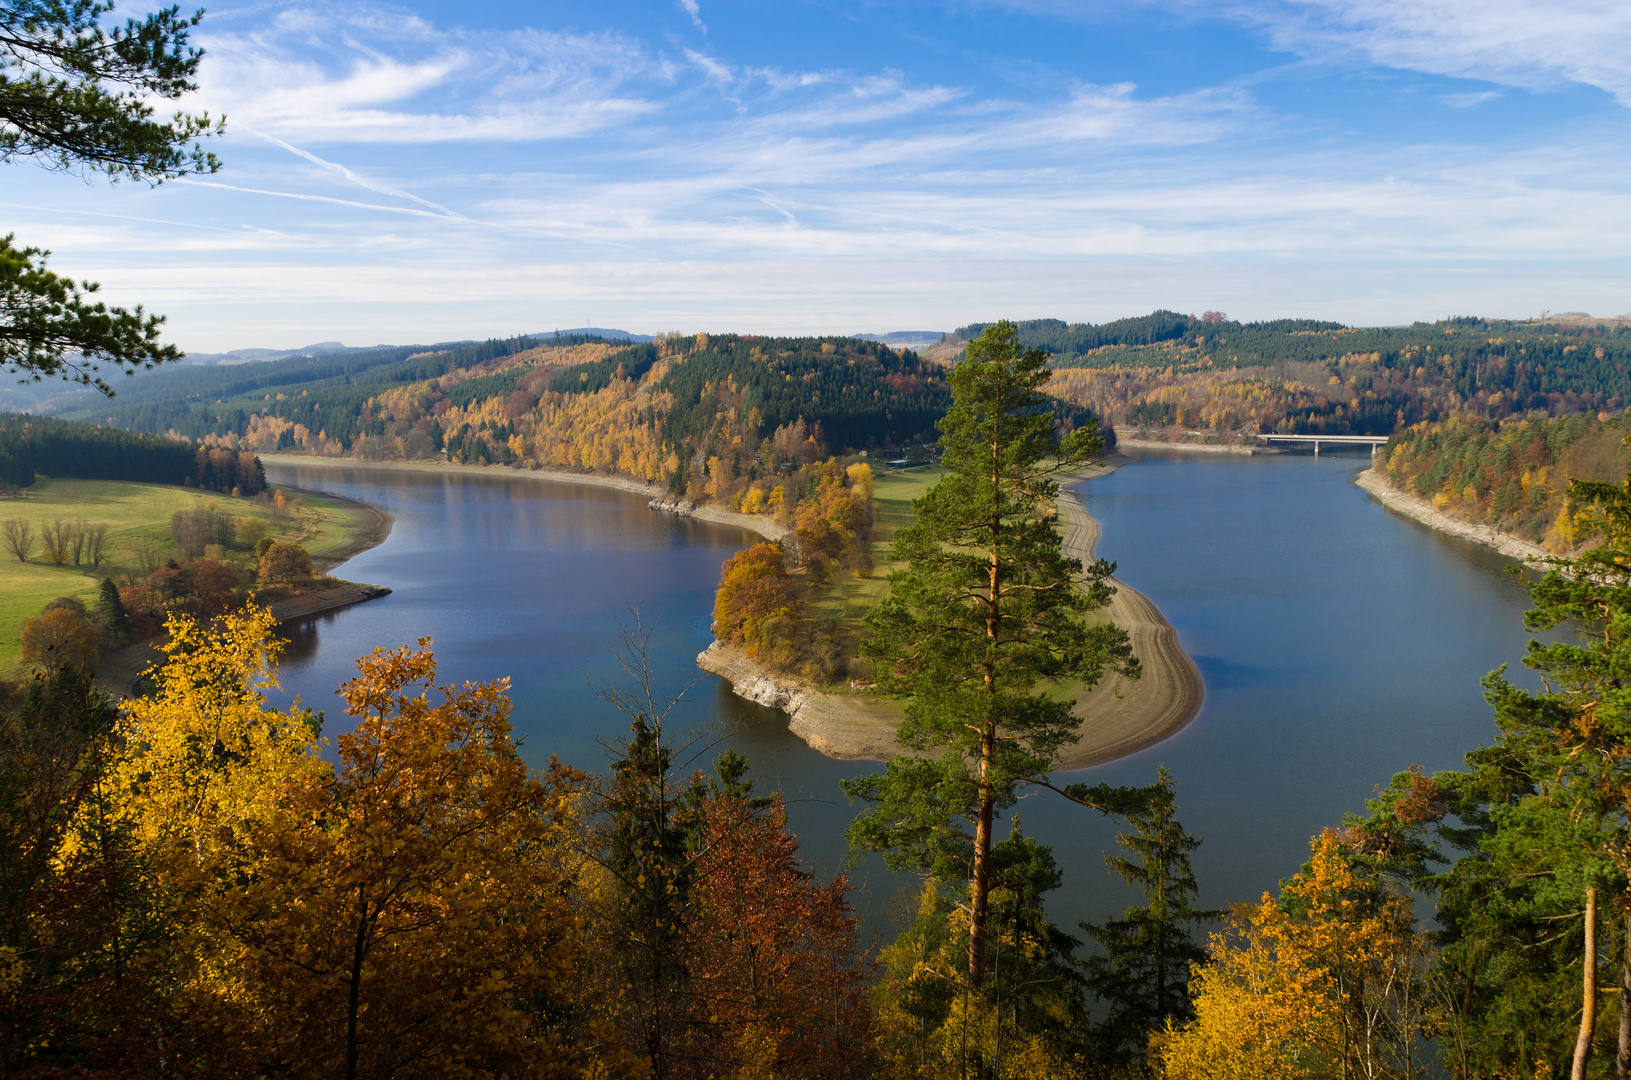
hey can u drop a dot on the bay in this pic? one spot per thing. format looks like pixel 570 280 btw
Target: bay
pixel 1339 643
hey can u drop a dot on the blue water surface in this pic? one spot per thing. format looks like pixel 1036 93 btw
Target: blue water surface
pixel 1339 642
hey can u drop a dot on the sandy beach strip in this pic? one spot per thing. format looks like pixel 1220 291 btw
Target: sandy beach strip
pixel 763 526
pixel 1421 510
pixel 1120 718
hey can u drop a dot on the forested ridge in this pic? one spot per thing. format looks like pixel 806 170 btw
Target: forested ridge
pixel 1513 475
pixel 1173 371
pixel 704 415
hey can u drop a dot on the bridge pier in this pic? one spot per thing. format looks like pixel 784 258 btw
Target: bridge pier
pixel 1316 448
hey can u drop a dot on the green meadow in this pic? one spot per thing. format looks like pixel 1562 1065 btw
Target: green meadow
pixel 136 515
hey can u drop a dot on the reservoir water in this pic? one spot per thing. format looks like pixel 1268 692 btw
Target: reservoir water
pixel 1339 643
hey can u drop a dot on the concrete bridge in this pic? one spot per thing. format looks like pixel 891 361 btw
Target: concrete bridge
pixel 1373 441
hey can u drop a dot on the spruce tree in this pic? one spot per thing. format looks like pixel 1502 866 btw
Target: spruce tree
pixel 986 613
pixel 1141 972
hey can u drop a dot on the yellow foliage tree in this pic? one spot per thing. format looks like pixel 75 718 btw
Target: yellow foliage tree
pixel 1323 983
pixel 205 757
pixel 407 917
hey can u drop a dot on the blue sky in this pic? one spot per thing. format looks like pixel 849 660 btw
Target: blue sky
pixel 441 171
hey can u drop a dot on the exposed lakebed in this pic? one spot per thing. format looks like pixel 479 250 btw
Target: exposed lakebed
pixel 1339 643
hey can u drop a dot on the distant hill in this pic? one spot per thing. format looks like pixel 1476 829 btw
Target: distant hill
pixel 246 356
pixel 595 331
pixel 1167 371
pixel 906 339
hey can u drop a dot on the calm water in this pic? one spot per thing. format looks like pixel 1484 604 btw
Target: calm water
pixel 1339 643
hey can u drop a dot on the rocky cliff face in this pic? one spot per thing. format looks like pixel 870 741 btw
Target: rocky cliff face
pixel 765 527
pixel 839 726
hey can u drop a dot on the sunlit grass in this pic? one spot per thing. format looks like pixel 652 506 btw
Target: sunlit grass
pixel 134 513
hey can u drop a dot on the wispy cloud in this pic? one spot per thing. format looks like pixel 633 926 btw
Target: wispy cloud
pixel 384 167
pixel 1526 43
pixel 694 9
pixel 1535 44
pixel 350 75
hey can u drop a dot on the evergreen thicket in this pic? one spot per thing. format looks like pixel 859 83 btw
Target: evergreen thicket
pixel 34 445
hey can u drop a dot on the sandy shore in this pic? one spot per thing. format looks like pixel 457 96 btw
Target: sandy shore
pixel 1425 512
pixel 1192 448
pixel 1118 718
pixel 657 495
pixel 1159 704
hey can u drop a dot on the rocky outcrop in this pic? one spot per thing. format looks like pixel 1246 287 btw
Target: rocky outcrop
pixel 343 594
pixel 678 504
pixel 851 728
pixel 673 504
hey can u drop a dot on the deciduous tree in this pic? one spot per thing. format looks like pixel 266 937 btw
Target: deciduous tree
pixel 407 916
pixel 57 639
pixel 1323 982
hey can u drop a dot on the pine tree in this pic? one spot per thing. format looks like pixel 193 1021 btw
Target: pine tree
pixel 986 612
pixel 1142 970
pixel 78 98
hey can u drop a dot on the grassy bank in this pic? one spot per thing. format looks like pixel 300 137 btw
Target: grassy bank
pixel 135 514
pixel 846 599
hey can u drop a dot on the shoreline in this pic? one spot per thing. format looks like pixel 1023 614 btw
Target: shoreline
pixel 1119 718
pixel 121 670
pixel 1194 448
pixel 660 498
pixel 1425 513
pixel 1126 718
pixel 1133 716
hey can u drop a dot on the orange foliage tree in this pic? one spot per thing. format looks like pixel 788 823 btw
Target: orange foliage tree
pixel 59 638
pixel 1325 982
pixel 776 956
pixel 758 604
pixel 406 916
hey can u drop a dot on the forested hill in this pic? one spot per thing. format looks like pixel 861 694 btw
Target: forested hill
pixel 1167 370
pixel 31 446
pixel 201 401
pixel 700 414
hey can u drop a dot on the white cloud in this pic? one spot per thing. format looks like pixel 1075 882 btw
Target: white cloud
pixel 715 70
pixel 1534 44
pixel 694 9
pixel 1527 43
pixel 687 187
pixel 350 75
pixel 1469 100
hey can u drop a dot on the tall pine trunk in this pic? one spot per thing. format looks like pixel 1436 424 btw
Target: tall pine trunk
pixel 979 891
pixel 1622 1060
pixel 1588 1010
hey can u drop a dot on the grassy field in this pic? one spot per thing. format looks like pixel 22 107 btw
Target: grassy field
pixel 846 599
pixel 134 513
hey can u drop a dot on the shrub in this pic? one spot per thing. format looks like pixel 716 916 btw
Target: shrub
pixel 59 638
pixel 284 562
